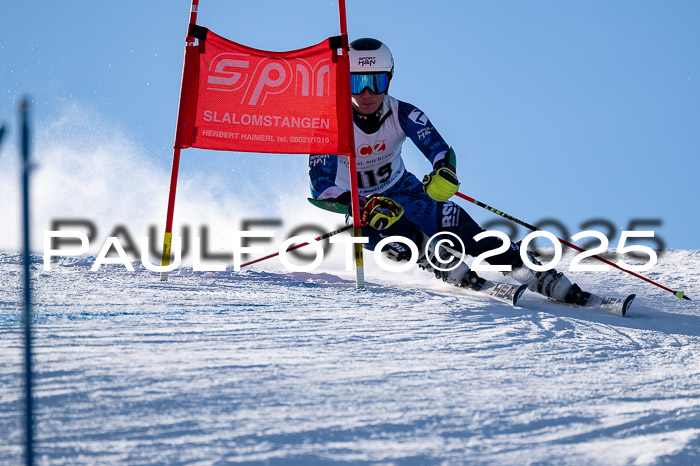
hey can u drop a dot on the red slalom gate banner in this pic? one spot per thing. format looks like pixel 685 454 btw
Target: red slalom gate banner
pixel 237 98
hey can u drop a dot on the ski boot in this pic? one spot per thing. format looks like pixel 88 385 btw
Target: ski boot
pixel 452 269
pixel 549 283
pixel 579 297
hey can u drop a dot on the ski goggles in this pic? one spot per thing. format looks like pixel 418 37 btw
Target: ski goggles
pixel 377 83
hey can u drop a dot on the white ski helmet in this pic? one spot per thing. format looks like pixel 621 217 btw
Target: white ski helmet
pixel 370 56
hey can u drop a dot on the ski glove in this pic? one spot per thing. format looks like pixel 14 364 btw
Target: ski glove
pixel 442 183
pixel 380 213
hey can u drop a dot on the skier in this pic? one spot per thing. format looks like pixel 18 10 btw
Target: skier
pixel 392 200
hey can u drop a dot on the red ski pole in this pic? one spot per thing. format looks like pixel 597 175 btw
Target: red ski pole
pixel 301 245
pixel 677 294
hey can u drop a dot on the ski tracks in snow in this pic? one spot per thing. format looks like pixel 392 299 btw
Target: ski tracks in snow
pixel 301 368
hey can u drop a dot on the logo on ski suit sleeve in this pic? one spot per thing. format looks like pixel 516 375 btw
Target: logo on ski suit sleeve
pixel 418 117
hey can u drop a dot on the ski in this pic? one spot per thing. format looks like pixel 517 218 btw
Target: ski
pixel 611 303
pixel 500 291
pixel 586 300
pixel 463 277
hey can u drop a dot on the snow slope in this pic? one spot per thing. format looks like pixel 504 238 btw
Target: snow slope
pixel 301 368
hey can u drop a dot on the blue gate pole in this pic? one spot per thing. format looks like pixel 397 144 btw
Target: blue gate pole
pixel 29 408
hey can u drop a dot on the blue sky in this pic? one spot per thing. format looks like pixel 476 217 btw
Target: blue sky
pixel 572 111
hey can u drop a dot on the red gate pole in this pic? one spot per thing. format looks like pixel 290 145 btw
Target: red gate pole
pixel 168 237
pixel 359 264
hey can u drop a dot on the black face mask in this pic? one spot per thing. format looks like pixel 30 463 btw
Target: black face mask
pixel 370 124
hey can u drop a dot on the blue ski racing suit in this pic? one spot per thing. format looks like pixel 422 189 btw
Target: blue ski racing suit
pixel 380 169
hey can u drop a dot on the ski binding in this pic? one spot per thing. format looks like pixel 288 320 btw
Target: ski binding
pixel 578 297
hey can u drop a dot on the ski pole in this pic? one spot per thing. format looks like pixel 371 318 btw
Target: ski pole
pixel 678 294
pixel 301 245
pixel 2 133
pixel 28 338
